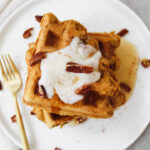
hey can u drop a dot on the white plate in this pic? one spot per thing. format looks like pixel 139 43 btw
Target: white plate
pixel 128 122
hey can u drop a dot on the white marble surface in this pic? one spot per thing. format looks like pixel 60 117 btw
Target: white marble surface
pixel 142 8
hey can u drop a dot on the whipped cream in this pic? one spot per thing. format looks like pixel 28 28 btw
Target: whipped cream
pixel 55 77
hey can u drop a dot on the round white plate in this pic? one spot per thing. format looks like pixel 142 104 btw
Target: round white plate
pixel 128 122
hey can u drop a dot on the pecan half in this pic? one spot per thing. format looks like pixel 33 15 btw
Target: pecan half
pixel 125 87
pixel 83 90
pixel 13 119
pixel 32 113
pixel 78 68
pixel 38 18
pixel 80 120
pixel 145 63
pixel 36 58
pixel 41 91
pixel 57 148
pixel 1 85
pixel 123 32
pixel 27 33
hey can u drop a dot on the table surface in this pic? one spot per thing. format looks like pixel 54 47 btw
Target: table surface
pixel 142 9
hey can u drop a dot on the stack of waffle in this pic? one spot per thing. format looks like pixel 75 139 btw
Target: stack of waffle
pixel 104 95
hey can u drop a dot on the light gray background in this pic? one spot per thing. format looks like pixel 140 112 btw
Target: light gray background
pixel 141 8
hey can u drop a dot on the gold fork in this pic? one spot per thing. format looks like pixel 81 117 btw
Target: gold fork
pixel 12 82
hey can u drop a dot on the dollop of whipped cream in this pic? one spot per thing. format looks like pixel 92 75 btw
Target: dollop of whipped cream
pixel 55 77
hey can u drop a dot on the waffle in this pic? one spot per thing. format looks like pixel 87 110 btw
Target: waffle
pixel 53 120
pixel 50 119
pixel 100 102
pixel 108 42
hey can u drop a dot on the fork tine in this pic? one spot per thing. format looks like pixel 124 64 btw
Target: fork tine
pixel 7 71
pixel 2 70
pixel 9 66
pixel 12 63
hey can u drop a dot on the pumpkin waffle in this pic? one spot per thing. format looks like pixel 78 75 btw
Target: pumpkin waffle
pixel 108 42
pixel 50 119
pixel 99 102
pixel 53 120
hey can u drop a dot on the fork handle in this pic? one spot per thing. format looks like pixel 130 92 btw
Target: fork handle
pixel 20 125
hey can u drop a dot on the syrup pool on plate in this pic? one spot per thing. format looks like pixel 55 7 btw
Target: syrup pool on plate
pixel 129 62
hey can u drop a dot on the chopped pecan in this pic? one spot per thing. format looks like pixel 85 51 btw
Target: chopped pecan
pixel 37 58
pixel 84 41
pixel 0 85
pixel 100 45
pixel 83 90
pixel 123 32
pixel 56 117
pixel 77 68
pixel 27 33
pixel 38 18
pixel 32 113
pixel 72 63
pixel 91 98
pixel 57 148
pixel 80 120
pixel 145 63
pixel 125 87
pixel 13 118
pixel 113 66
pixel 41 91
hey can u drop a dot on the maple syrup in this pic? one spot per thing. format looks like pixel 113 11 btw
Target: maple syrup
pixel 129 62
